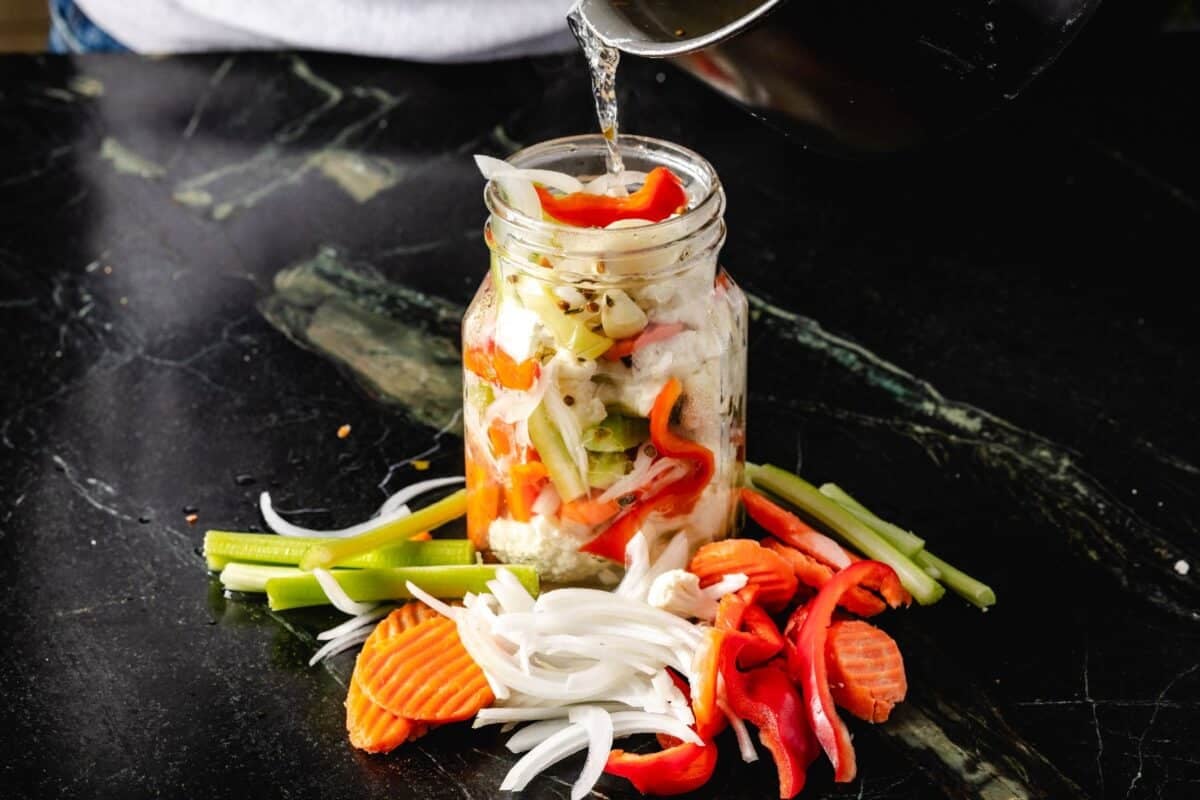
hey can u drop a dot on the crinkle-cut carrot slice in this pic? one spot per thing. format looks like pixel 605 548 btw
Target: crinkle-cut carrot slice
pixel 866 670
pixel 766 571
pixel 424 673
pixel 375 729
pixel 406 616
pixel 813 573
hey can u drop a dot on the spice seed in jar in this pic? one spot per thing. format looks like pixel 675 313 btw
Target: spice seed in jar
pixel 651 451
pixel 593 307
pixel 568 399
pixel 343 431
pixel 563 305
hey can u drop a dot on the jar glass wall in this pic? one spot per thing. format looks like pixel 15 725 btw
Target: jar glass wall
pixel 604 373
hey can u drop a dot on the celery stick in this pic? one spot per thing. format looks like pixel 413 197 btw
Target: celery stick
pixel 569 332
pixel 223 547
pixel 959 582
pixel 616 433
pixel 559 463
pixel 806 498
pixel 426 519
pixel 366 585
pixel 239 577
pixel 906 542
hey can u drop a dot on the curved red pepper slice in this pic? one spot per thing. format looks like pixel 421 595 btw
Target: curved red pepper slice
pixel 767 698
pixel 661 195
pixel 676 497
pixel 809 656
pixel 676 770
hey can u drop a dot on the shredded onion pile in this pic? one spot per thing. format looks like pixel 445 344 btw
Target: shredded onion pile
pixel 580 666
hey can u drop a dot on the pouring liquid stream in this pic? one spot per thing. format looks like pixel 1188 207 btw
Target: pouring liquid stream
pixel 602 64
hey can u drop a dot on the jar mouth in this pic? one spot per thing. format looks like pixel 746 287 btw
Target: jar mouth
pixel 585 155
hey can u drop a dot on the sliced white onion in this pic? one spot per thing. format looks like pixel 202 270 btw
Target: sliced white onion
pixel 534 734
pixel 437 605
pixel 637 564
pixel 728 584
pixel 660 469
pixel 510 593
pixel 338 596
pixel 497 715
pixel 635 478
pixel 598 725
pixel 402 497
pixel 673 556
pixel 284 528
pixel 351 625
pixel 519 193
pixel 512 407
pixel 572 739
pixel 547 501
pixel 605 184
pixel 745 743
pixel 338 645
pixel 493 167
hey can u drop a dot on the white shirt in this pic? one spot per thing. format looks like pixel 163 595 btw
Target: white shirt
pixel 419 30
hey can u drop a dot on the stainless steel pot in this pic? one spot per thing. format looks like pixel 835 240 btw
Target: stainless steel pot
pixel 851 77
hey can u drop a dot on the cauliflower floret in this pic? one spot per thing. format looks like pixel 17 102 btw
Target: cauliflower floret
pixel 550 548
pixel 679 592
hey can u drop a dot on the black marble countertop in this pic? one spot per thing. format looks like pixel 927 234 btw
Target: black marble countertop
pixel 208 264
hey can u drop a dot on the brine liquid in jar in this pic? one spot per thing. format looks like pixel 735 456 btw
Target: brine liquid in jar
pixel 604 360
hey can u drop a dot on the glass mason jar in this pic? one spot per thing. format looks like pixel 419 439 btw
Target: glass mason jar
pixel 604 373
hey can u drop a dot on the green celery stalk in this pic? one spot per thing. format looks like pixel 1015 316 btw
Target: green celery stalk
pixel 368 585
pixel 560 466
pixel 239 577
pixel 569 332
pixel 805 497
pixel 906 542
pixel 973 591
pixel 616 433
pixel 223 547
pixel 426 519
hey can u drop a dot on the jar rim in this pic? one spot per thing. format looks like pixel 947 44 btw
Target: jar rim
pixel 633 146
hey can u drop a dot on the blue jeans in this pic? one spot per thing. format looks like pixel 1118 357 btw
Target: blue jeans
pixel 72 32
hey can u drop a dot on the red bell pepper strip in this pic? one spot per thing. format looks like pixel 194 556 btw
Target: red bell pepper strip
pixel 676 770
pixel 654 332
pixel 767 698
pixel 809 657
pixel 710 720
pixel 674 498
pixel 661 195
pixel 794 531
pixel 737 611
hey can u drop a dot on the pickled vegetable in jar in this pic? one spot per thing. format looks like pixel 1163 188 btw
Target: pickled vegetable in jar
pixel 604 359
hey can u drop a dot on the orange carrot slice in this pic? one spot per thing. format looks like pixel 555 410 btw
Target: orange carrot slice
pixel 424 673
pixel 524 484
pixel 771 576
pixel 590 512
pixel 866 670
pixel 483 501
pixel 813 573
pixel 375 729
pixel 371 726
